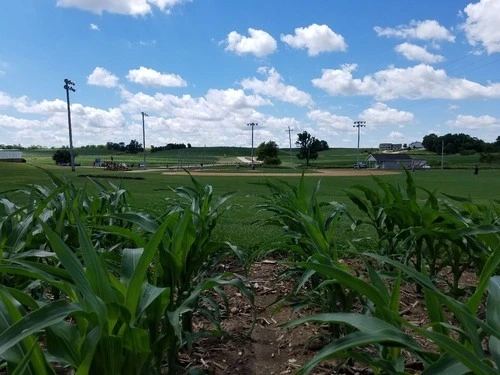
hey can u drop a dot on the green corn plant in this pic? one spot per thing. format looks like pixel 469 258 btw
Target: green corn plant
pixel 21 232
pixel 379 326
pixel 107 332
pixel 465 354
pixel 309 232
pixel 419 233
pixel 184 263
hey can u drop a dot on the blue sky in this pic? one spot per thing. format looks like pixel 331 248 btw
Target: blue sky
pixel 203 69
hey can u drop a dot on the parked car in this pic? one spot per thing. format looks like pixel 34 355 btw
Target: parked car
pixel 359 165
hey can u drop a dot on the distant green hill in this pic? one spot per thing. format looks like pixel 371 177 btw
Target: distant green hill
pixel 332 158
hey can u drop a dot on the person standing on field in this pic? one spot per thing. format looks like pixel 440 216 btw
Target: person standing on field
pixel 476 170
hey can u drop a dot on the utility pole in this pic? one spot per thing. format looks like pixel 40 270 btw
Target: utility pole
pixel 252 124
pixel 289 131
pixel 69 86
pixel 358 124
pixel 144 137
pixel 442 154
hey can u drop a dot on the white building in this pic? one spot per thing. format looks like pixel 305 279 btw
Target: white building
pixel 13 154
pixel 416 145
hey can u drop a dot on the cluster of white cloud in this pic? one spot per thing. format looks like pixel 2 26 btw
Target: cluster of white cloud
pixel 315 38
pixel 417 82
pixel 474 123
pixel 427 30
pixel 150 77
pixel 382 114
pixel 124 7
pixel 422 30
pixel 416 53
pixel 259 43
pixel 102 77
pixel 219 116
pixel 274 87
pixel 144 76
pixel 481 26
pixel 377 115
pixel 89 123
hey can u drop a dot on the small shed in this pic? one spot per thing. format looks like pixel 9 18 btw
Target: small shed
pixel 416 145
pixel 389 161
pixel 11 155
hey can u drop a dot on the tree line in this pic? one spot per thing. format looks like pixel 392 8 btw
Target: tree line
pixel 458 144
pixel 170 146
pixel 133 147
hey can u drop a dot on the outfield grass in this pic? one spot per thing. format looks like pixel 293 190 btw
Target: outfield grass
pixel 150 193
pixel 332 158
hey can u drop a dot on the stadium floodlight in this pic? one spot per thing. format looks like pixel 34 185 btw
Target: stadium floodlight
pixel 358 124
pixel 69 86
pixel 252 124
pixel 144 114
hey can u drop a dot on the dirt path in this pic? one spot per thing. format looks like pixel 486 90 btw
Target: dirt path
pixel 269 349
pixel 318 172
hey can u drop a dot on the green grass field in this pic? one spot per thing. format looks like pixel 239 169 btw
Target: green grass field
pixel 228 156
pixel 151 191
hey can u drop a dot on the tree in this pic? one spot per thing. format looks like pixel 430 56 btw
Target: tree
pixel 496 144
pixel 62 156
pixel 134 147
pixel 431 142
pixel 309 146
pixel 268 153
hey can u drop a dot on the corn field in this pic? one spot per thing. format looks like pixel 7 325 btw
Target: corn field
pixel 91 286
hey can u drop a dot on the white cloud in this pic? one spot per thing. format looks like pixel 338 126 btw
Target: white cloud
pixel 214 106
pixel 417 82
pixel 330 122
pixel 45 107
pixel 218 118
pixel 124 7
pixel 396 136
pixel 150 77
pixel 423 30
pixel 472 123
pixel 274 87
pixel 90 125
pixel 481 25
pixel 147 43
pixel 259 43
pixel 316 39
pixel 380 113
pixel 94 27
pixel 102 77
pixel 19 123
pixel 416 53
pixel 5 100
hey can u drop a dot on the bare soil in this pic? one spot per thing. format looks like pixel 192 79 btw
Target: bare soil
pixel 265 349
pixel 270 349
pixel 259 173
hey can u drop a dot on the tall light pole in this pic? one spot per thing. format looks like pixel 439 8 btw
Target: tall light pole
pixel 252 124
pixel 69 86
pixel 289 131
pixel 358 124
pixel 144 114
